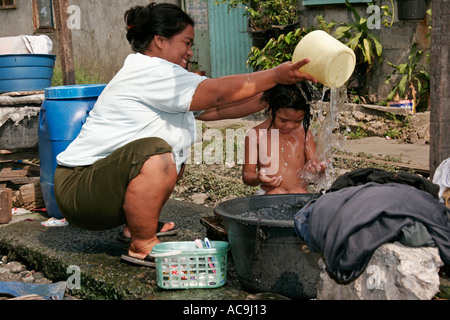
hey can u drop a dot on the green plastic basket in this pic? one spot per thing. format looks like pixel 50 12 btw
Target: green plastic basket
pixel 181 265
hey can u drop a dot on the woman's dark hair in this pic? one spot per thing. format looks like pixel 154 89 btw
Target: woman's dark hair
pixel 294 96
pixel 145 22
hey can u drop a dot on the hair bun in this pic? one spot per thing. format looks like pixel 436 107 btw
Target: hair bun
pixel 144 22
pixel 138 16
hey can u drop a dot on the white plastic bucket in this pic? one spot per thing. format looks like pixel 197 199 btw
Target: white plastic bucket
pixel 332 62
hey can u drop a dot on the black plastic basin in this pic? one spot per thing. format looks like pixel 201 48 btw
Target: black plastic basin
pixel 267 253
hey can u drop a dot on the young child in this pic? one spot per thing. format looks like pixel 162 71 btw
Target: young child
pixel 278 150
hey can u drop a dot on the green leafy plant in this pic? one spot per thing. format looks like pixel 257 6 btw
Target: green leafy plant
pixel 358 36
pixel 328 27
pixel 387 13
pixel 393 133
pixel 358 133
pixel 414 82
pixel 398 125
pixel 276 51
pixel 264 14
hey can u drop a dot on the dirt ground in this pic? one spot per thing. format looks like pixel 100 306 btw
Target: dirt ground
pixel 416 154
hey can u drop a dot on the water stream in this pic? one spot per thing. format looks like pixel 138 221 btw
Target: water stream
pixel 325 128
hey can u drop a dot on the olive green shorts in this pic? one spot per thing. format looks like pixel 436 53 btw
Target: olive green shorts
pixel 91 197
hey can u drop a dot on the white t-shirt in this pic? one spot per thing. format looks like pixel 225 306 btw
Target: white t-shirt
pixel 149 97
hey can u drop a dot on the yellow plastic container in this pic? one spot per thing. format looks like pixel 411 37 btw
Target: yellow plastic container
pixel 332 62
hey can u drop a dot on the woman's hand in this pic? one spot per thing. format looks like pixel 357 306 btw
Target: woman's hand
pixel 288 73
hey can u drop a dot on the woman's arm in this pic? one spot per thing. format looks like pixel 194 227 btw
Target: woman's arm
pixel 233 110
pixel 230 89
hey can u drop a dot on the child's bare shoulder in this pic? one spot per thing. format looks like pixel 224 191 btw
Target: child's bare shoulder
pixel 262 125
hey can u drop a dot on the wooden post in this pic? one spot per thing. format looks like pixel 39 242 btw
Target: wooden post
pixel 5 205
pixel 440 84
pixel 65 42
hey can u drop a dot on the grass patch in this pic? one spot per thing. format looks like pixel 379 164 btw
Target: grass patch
pixel 82 76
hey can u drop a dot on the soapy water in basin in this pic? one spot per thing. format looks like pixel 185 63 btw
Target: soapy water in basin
pixel 280 212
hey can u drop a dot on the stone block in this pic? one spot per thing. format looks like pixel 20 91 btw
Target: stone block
pixel 395 272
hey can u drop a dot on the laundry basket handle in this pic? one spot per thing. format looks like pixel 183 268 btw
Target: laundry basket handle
pixel 166 254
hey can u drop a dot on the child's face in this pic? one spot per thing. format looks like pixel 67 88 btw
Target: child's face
pixel 287 120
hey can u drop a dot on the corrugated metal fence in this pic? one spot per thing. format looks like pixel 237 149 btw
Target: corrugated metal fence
pixel 230 41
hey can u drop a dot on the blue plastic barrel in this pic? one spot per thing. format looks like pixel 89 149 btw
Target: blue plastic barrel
pixel 61 117
pixel 26 72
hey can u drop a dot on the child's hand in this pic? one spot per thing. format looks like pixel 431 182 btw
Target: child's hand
pixel 273 182
pixel 318 168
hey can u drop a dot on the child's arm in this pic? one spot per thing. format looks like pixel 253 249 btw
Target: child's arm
pixel 312 164
pixel 249 168
pixel 250 174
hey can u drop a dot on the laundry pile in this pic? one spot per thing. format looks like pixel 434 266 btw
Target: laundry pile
pixel 366 208
pixel 442 179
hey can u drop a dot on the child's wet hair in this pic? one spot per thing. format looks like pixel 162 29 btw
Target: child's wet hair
pixel 145 22
pixel 296 96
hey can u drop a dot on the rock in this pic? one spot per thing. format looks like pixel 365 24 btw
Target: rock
pixel 180 189
pixel 29 196
pixel 16 271
pixel 377 128
pixel 395 272
pixel 14 267
pixel 28 278
pixel 9 276
pixel 199 198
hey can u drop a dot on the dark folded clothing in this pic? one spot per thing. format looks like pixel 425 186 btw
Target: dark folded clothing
pixel 301 222
pixel 349 224
pixel 362 176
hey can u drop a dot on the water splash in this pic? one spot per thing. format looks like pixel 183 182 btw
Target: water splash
pixel 328 137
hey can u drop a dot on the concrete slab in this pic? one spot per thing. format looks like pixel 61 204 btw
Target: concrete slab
pixel 53 250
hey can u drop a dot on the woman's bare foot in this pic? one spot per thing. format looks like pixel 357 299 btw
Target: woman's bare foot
pixel 167 226
pixel 141 248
